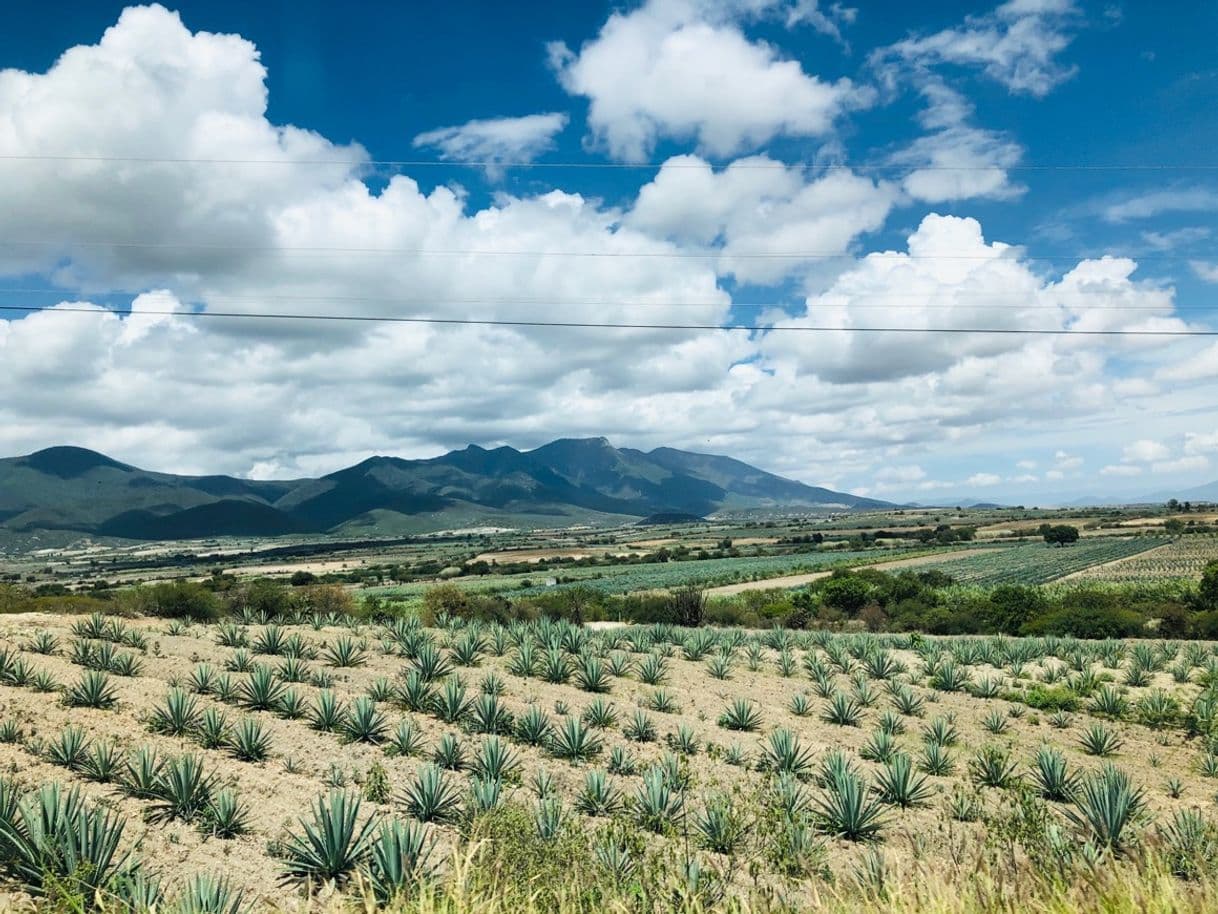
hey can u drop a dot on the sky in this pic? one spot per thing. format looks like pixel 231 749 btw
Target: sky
pixel 879 173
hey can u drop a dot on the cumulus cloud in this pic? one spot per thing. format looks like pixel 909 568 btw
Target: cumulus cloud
pixel 1144 451
pixel 283 398
pixel 1193 464
pixel 757 206
pixel 983 479
pixel 1120 469
pixel 956 160
pixel 685 70
pixel 496 140
pixel 1017 45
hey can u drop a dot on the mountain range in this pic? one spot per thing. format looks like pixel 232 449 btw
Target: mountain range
pixel 565 482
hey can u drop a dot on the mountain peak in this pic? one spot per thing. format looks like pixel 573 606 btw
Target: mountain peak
pixel 68 461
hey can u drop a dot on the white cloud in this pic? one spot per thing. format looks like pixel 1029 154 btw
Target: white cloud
pixel 673 68
pixel 1194 464
pixel 983 479
pixel 1205 270
pixel 1148 205
pixel 756 206
pixel 1017 45
pixel 498 139
pixel 1144 451
pixel 1024 478
pixel 911 473
pixel 1195 365
pixel 284 398
pixel 1120 469
pixel 1026 464
pixel 957 160
pixel 1201 442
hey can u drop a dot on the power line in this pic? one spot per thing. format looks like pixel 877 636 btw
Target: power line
pixel 470 252
pixel 979 304
pixel 588 325
pixel 495 163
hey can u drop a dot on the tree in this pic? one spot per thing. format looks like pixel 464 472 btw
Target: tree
pixel 1207 592
pixel 846 592
pixel 1059 534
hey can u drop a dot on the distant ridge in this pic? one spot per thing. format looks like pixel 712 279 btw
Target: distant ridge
pixel 570 480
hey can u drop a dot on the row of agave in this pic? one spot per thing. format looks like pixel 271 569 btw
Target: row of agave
pixel 57 844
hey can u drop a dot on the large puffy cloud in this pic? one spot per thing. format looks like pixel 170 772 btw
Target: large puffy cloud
pixel 685 70
pixel 756 207
pixel 279 398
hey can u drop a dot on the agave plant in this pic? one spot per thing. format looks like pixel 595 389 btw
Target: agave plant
pixel 600 714
pixel 880 747
pixel 662 702
pixel 1098 740
pixel 845 809
pixel 489 715
pixel 720 825
pixel 621 761
pixel 452 705
pixel 495 760
pixel 399 858
pixel 332 844
pixel 549 816
pixel 554 666
pixel 1189 844
pixel 56 843
pixel 1107 807
pixel 430 663
pixel 262 690
pixel 416 693
pixel 653 670
pixel 102 762
pixel 598 797
pixel 249 741
pixel 1051 776
pixel 533 727
pixel 364 723
pixel 940 732
pixel 93 690
pixel 431 797
pixel 328 713
pixel 992 766
pixel 639 728
pixel 783 754
pixel 204 894
pixel 574 741
pixel 741 716
pixel 449 753
pixel 936 760
pixel 141 773
pixel 843 711
pixel 592 676
pixel 183 790
pixel 467 650
pixel 899 785
pixel 658 806
pixel 345 652
pixel 405 740
pixel 43 642
pixel 69 748
pixel 176 715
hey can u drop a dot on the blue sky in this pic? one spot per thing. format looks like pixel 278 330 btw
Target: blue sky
pixel 732 154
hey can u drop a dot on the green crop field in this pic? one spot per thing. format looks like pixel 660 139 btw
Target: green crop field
pixel 1037 563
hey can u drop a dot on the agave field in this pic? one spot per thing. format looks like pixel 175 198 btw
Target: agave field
pixel 222 766
pixel 1180 558
pixel 1038 563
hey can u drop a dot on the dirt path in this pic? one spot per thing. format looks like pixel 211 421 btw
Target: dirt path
pixel 795 580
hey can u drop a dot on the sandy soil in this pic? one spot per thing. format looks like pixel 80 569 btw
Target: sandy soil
pixel 276 796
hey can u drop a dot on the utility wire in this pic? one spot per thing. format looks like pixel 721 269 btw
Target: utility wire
pixel 896 302
pixel 458 252
pixel 495 163
pixel 588 325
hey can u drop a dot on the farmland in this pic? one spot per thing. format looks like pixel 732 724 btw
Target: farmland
pixel 1181 558
pixel 639 755
pixel 1034 563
